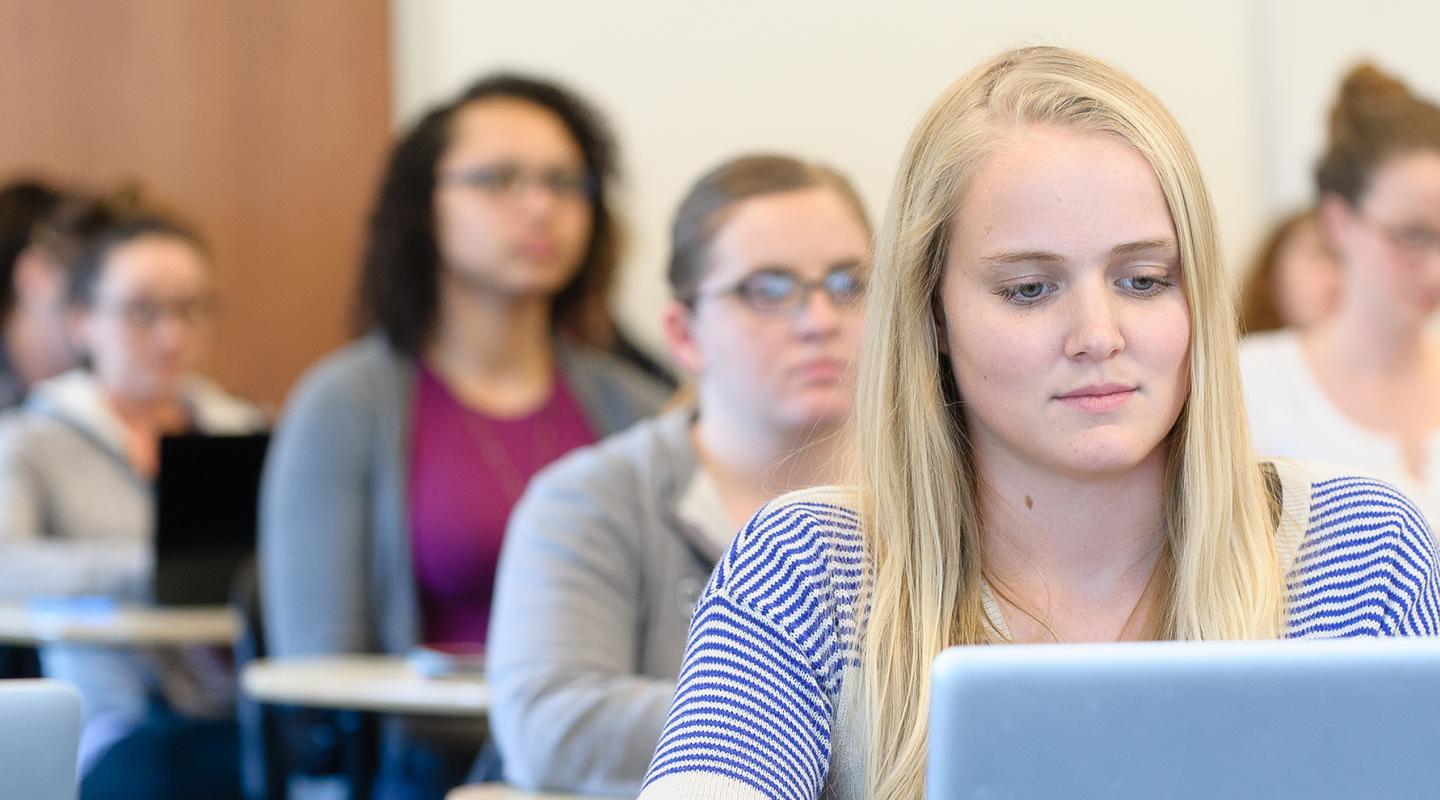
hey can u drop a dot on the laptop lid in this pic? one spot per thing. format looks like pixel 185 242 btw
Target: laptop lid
pixel 206 496
pixel 1282 719
pixel 39 739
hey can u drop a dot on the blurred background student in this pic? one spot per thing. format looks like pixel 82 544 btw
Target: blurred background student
pixel 610 548
pixel 41 229
pixel 77 508
pixel 1362 387
pixel 491 253
pixel 1294 281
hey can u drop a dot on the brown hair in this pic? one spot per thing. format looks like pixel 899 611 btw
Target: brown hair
pixel 1258 311
pixel 1375 118
pixel 712 199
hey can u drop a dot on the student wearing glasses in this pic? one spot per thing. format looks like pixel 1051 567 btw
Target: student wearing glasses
pixel 1362 388
pixel 608 551
pixel 491 252
pixel 77 465
pixel 1051 447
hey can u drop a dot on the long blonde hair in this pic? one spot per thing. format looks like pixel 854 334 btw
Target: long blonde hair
pixel 917 483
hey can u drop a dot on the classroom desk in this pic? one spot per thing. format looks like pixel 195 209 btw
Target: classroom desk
pixel 372 683
pixel 499 791
pixel 40 622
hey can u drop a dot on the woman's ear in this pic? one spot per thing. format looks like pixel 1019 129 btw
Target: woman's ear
pixel 678 320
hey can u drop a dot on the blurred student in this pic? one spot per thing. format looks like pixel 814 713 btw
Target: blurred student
pixel 41 229
pixel 491 253
pixel 1294 281
pixel 1051 448
pixel 607 553
pixel 1362 387
pixel 77 465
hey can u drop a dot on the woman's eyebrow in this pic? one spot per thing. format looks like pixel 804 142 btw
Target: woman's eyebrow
pixel 1021 256
pixel 1166 246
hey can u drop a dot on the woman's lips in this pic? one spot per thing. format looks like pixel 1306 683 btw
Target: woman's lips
pixel 1098 399
pixel 820 370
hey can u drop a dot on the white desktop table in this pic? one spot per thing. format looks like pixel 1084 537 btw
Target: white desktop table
pixel 37 622
pixel 374 683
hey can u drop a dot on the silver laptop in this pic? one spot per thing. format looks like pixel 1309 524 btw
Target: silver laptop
pixel 39 739
pixel 1287 719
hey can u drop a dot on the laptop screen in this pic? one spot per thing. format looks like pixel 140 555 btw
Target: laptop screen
pixel 205 520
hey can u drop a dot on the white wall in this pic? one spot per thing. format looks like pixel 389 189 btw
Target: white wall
pixel 688 84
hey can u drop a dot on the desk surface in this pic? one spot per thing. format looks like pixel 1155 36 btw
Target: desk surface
pixel 499 791
pixel 102 622
pixel 363 683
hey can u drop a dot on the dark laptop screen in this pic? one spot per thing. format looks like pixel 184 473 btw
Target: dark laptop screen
pixel 205 518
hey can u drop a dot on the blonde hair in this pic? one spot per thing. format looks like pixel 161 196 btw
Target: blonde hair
pixel 917 482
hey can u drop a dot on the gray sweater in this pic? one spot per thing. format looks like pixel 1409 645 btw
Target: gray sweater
pixel 336 567
pixel 603 560
pixel 76 519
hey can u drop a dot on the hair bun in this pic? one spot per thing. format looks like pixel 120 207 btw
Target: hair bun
pixel 1369 98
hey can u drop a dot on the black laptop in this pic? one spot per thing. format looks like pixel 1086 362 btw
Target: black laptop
pixel 205 504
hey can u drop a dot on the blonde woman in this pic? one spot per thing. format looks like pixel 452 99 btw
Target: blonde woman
pixel 1052 447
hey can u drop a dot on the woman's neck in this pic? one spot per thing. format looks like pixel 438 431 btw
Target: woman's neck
pixel 752 464
pixel 493 352
pixel 145 420
pixel 1362 341
pixel 1076 554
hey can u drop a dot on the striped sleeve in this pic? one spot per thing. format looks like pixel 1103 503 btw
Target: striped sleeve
pixel 753 707
pixel 1367 566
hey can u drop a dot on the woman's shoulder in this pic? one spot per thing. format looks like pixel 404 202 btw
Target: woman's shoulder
pixel 615 392
pixel 354 375
pixel 1360 542
pixel 805 544
pixel 1270 355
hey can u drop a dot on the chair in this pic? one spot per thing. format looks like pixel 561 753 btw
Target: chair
pixel 276 741
pixel 39 739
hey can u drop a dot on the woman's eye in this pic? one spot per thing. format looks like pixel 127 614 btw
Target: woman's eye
pixel 1024 293
pixel 1147 284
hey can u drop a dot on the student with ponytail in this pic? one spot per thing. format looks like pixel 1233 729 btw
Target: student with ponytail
pixel 1363 387
pixel 1051 447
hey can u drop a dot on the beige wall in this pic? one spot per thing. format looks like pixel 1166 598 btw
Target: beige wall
pixel 688 84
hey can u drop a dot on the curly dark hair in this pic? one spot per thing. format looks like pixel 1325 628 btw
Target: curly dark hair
pixel 399 281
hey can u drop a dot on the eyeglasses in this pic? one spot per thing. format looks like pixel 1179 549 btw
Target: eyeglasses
pixel 506 180
pixel 780 292
pixel 1413 241
pixel 145 313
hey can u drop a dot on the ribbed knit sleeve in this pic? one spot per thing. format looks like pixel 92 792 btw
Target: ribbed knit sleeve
pixel 755 703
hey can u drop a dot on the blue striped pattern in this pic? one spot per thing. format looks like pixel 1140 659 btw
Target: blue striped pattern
pixel 775 629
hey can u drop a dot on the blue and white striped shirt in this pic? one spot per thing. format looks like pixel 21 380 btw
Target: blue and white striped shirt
pixel 767 703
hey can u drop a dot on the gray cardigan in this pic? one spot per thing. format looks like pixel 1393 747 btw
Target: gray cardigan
pixel 76 519
pixel 336 568
pixel 603 561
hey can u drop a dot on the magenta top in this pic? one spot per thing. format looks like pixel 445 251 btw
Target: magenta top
pixel 467 470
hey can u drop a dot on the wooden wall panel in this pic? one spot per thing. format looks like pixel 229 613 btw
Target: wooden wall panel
pixel 262 121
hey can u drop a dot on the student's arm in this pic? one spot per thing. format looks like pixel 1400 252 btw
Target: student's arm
pixel 1418 613
pixel 568 710
pixel 752 714
pixel 34 561
pixel 315 521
